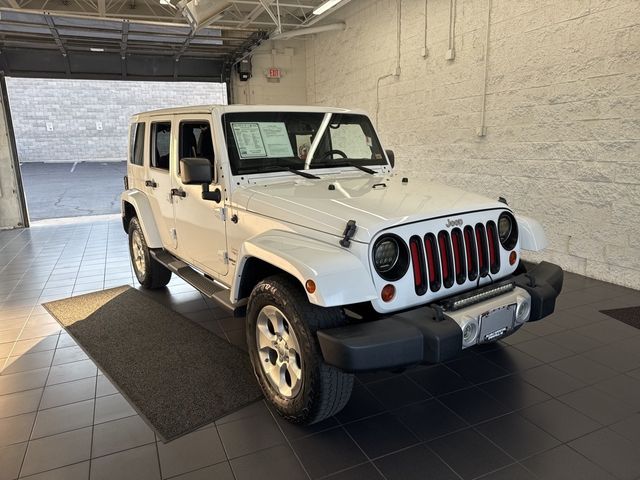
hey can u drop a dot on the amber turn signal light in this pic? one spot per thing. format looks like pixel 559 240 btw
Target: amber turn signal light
pixel 513 256
pixel 310 285
pixel 388 292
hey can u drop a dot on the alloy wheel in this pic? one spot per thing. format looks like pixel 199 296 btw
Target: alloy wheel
pixel 279 351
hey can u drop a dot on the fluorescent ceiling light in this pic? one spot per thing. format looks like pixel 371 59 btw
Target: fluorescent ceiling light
pixel 165 2
pixel 326 6
pixel 93 49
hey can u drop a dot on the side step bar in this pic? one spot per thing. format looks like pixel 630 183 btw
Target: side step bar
pixel 205 285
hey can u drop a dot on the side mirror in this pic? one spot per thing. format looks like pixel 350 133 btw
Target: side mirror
pixel 195 171
pixel 392 158
pixel 215 196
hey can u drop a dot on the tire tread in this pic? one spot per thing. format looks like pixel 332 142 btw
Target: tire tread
pixel 158 275
pixel 332 389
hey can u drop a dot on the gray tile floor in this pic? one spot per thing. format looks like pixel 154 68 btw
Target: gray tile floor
pixel 560 399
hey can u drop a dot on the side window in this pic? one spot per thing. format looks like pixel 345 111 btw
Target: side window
pixel 196 140
pixel 160 144
pixel 136 145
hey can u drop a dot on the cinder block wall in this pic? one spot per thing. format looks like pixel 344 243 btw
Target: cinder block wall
pixel 74 106
pixel 562 139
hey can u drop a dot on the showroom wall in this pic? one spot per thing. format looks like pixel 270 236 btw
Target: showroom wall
pixel 288 56
pixel 11 215
pixel 562 123
pixel 87 120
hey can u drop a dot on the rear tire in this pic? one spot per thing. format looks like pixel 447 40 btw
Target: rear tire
pixel 149 272
pixel 286 357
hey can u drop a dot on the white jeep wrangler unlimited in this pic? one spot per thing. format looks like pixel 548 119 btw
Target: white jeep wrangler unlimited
pixel 294 218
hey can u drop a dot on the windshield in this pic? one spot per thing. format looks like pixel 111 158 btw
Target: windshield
pixel 260 142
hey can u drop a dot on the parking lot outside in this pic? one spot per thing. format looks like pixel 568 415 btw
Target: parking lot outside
pixel 57 190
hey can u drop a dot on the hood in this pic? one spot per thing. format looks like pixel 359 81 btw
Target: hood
pixel 374 202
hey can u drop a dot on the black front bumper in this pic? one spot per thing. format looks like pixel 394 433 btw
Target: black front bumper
pixel 417 336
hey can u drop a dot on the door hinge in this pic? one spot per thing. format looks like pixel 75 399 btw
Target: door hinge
pixel 224 256
pixel 223 214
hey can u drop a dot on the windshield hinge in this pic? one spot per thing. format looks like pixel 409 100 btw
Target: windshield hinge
pixel 349 232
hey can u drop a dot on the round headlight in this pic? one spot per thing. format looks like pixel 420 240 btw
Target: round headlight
pixel 507 230
pixel 504 227
pixel 390 257
pixel 386 254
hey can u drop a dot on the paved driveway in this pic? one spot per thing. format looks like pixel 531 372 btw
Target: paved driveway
pixel 56 190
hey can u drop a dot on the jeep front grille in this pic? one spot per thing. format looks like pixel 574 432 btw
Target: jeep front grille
pixel 443 259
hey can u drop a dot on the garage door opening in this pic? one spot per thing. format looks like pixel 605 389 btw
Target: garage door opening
pixel 71 137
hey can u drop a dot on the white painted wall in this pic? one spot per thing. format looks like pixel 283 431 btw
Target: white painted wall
pixel 10 201
pixel 562 137
pixel 290 57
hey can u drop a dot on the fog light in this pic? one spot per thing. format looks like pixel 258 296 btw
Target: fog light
pixel 310 286
pixel 522 310
pixel 469 332
pixel 388 292
pixel 513 256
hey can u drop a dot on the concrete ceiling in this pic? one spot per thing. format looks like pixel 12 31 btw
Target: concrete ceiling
pixel 138 39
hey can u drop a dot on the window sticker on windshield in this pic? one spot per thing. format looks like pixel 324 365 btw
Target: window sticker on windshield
pixel 262 139
pixel 248 139
pixel 276 139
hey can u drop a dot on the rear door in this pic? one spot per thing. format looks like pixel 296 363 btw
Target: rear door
pixel 200 224
pixel 158 179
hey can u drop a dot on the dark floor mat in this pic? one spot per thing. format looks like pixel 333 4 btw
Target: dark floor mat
pixel 177 374
pixel 629 315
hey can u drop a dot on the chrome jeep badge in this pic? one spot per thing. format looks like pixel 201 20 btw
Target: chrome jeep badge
pixel 454 223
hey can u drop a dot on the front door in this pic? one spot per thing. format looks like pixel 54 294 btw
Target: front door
pixel 157 183
pixel 200 224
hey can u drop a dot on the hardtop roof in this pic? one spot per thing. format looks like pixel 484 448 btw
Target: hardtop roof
pixel 199 109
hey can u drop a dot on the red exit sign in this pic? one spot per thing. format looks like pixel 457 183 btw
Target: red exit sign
pixel 274 72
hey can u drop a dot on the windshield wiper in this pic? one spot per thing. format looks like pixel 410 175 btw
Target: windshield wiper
pixel 287 168
pixel 359 167
pixel 303 174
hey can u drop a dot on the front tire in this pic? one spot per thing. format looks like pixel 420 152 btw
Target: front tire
pixel 286 357
pixel 149 272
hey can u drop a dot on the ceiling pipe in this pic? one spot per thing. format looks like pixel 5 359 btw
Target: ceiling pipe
pixel 308 31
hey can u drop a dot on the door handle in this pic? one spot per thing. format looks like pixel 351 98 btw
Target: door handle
pixel 150 183
pixel 178 192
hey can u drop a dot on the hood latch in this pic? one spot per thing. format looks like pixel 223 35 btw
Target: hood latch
pixel 349 232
